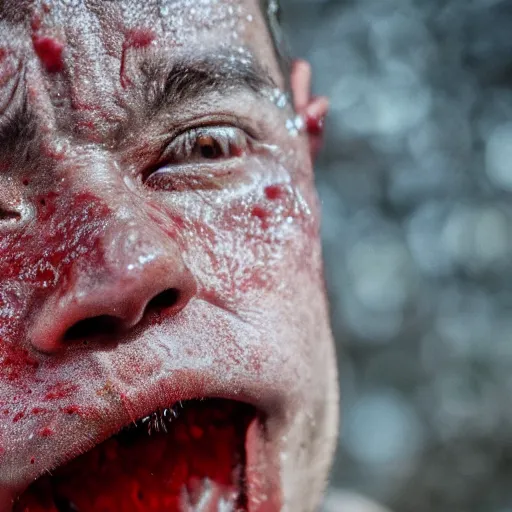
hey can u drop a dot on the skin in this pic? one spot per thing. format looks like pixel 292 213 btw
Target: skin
pixel 102 211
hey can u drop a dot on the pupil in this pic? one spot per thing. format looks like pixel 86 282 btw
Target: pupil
pixel 208 151
pixel 208 147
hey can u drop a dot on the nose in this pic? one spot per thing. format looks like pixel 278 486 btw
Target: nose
pixel 134 273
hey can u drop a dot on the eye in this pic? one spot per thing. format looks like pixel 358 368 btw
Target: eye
pixel 206 144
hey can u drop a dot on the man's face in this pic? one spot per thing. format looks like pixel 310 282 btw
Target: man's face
pixel 159 257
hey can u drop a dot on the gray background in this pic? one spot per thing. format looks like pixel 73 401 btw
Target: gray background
pixel 416 182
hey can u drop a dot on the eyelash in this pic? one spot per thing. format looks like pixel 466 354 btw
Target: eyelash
pixel 191 160
pixel 206 144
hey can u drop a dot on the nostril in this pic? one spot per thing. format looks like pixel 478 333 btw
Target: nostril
pixel 106 325
pixel 93 327
pixel 164 300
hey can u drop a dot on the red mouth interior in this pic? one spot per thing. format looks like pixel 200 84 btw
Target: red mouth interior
pixel 193 462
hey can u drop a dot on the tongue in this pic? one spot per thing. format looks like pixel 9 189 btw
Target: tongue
pixel 197 465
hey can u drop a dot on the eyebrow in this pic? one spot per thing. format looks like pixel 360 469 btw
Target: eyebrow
pixel 168 84
pixel 165 84
pixel 18 129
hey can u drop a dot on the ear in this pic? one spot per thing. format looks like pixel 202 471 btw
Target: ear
pixel 312 109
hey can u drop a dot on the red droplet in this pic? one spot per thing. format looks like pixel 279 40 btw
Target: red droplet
pixel 315 125
pixel 273 192
pixel 18 417
pixel 49 51
pixel 259 212
pixel 46 432
pixel 32 460
pixel 71 409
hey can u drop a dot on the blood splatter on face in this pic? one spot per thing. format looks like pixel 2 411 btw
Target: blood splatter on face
pixel 158 246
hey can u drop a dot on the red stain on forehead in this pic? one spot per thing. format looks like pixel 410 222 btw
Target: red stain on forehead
pixel 137 39
pixel 49 50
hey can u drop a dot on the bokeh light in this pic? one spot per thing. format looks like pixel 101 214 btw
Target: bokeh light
pixel 416 187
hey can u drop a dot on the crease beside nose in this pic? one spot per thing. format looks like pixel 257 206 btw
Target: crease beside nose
pixel 136 274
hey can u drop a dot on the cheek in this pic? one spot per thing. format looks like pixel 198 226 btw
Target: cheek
pixel 64 229
pixel 253 239
pixel 34 263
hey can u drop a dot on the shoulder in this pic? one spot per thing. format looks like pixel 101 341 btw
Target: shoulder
pixel 345 501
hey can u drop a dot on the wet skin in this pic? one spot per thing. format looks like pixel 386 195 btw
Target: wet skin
pixel 147 154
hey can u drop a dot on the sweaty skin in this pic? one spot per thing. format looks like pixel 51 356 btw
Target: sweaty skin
pixel 158 235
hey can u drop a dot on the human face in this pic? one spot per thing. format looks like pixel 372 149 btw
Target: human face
pixel 159 256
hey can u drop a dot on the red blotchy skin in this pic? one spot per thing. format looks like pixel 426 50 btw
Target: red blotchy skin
pixel 16 362
pixel 61 390
pixel 62 242
pixel 63 238
pixel 49 50
pixel 134 39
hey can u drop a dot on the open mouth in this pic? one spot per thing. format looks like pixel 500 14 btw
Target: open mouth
pixel 191 457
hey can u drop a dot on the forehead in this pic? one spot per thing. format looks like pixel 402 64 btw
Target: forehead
pixel 74 53
pixel 102 29
pixel 188 25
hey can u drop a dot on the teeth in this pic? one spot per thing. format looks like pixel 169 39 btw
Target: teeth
pixel 159 420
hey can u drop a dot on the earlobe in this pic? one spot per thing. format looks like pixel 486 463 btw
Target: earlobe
pixel 312 109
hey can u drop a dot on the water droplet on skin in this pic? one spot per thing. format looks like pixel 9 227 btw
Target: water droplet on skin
pixel 249 18
pixel 290 126
pixel 295 125
pixel 279 98
pixel 282 101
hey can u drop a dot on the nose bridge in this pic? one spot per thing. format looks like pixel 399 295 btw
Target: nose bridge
pixel 131 244
pixel 138 260
pixel 137 263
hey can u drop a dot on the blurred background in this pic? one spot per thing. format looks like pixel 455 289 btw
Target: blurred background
pixel 416 186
